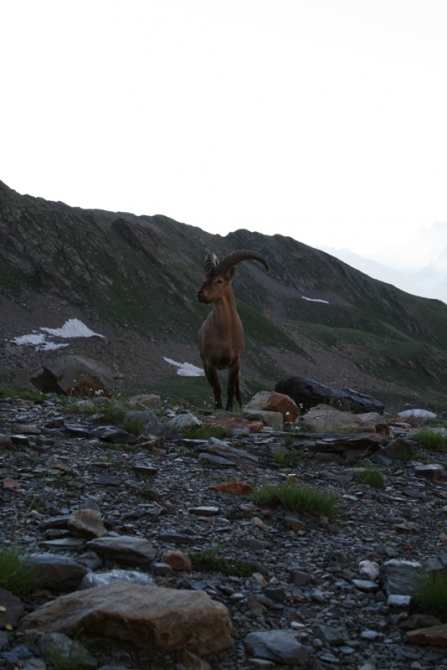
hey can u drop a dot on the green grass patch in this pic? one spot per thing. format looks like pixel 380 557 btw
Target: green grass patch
pixel 23 394
pixel 282 459
pixel 431 439
pixel 16 574
pixel 296 497
pixel 430 592
pixel 372 476
pixel 207 560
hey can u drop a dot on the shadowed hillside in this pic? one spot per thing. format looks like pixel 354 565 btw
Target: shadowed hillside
pixel 133 279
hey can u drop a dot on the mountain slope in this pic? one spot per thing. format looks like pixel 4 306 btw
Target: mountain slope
pixel 134 280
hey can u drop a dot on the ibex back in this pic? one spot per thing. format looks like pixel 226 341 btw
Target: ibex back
pixel 221 337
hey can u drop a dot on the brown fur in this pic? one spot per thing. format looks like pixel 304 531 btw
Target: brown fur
pixel 221 337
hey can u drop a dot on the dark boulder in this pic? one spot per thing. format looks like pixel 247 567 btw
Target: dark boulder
pixel 308 393
pixel 74 376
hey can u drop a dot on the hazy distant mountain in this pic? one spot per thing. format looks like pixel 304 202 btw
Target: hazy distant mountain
pixel 374 269
pixel 424 257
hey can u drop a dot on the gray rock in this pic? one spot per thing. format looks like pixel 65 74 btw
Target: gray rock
pixel 138 617
pixel 86 523
pixel 365 585
pixel 13 609
pixel 433 471
pixel 332 636
pixel 74 376
pixel 398 576
pixel 93 579
pixel 419 621
pixel 204 510
pixel 274 419
pixel 57 573
pixel 308 393
pixel 124 549
pixel 280 646
pixel 184 421
pixel 298 577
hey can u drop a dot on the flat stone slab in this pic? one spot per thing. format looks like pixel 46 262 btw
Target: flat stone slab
pixel 130 616
pixel 126 549
pixel 435 636
pixel 280 646
pixel 55 572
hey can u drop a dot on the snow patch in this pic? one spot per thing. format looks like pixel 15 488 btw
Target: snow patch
pixel 71 328
pixel 326 302
pixel 186 369
pixel 32 338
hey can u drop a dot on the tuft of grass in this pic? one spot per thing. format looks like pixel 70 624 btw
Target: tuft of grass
pixel 288 439
pixel 205 432
pixel 430 592
pixel 431 439
pixel 208 561
pixel 134 424
pixel 23 394
pixel 296 497
pixel 372 476
pixel 281 459
pixel 16 574
pixel 62 657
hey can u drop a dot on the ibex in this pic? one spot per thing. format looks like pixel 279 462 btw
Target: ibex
pixel 221 337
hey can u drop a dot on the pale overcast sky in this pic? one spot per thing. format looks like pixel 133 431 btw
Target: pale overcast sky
pixel 325 120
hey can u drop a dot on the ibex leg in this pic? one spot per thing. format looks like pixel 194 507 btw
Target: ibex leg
pixel 233 388
pixel 213 379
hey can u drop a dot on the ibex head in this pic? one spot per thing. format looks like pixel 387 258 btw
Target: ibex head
pixel 218 276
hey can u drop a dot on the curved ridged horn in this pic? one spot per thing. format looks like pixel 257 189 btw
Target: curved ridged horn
pixel 210 263
pixel 236 257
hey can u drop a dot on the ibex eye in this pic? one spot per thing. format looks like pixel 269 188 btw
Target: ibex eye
pixel 219 281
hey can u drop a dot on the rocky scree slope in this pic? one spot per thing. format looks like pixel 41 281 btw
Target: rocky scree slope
pixel 134 278
pixel 306 599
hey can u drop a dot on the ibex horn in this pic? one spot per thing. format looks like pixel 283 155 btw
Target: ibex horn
pixel 210 263
pixel 229 261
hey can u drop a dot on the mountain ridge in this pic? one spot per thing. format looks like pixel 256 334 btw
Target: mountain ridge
pixel 137 277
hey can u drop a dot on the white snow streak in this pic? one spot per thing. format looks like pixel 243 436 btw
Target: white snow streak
pixel 326 302
pixel 186 369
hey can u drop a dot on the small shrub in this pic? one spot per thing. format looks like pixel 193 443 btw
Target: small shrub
pixel 296 497
pixel 430 592
pixel 205 432
pixel 207 561
pixel 431 439
pixel 62 657
pixel 134 424
pixel 372 476
pixel 281 459
pixel 16 574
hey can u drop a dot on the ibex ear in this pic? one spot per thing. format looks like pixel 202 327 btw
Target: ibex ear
pixel 230 274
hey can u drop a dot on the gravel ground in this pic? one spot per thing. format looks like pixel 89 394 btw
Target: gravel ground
pixel 56 473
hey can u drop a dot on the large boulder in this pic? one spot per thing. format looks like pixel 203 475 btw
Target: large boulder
pixel 308 393
pixel 270 401
pixel 326 419
pixel 135 617
pixel 74 376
